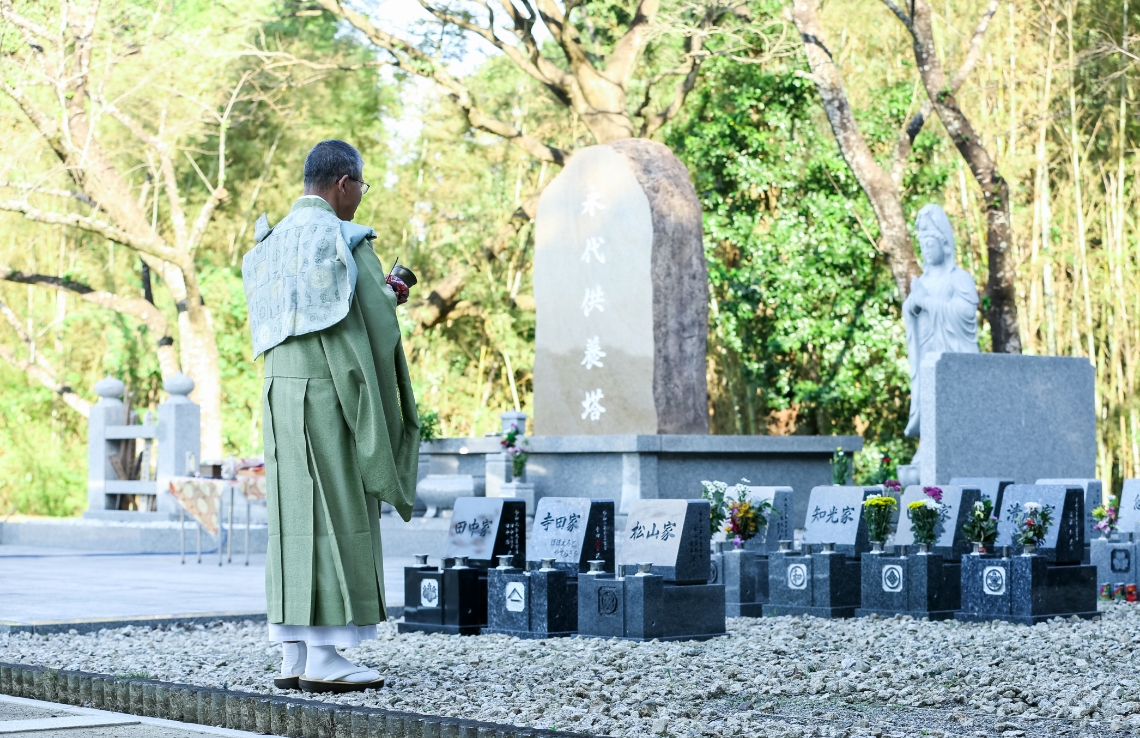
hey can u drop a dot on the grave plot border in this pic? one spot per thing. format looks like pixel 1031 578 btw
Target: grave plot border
pixel 249 711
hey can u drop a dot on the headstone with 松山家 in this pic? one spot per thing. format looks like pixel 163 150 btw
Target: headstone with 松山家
pixel 452 598
pixel 663 590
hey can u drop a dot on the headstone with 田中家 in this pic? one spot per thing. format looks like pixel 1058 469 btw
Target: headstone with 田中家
pixel 452 598
pixel 483 528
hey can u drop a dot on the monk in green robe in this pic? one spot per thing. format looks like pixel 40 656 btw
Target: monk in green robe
pixel 340 423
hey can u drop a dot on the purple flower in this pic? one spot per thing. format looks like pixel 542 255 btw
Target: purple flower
pixel 934 493
pixel 893 485
pixel 737 541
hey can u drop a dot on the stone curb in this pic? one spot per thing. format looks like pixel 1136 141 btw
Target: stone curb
pixel 91 626
pixel 257 713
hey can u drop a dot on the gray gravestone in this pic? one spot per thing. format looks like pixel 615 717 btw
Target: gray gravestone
pixel 485 527
pixel 780 525
pixel 621 294
pixel 1064 541
pixel 573 531
pixel 835 515
pixel 992 488
pixel 1094 496
pixel 957 502
pixel 673 535
pixel 1025 417
pixel 1128 514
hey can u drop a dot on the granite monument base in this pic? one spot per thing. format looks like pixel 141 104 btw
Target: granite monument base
pixel 825 584
pixel 744 575
pixel 1025 589
pixel 627 468
pixel 534 604
pixel 921 585
pixel 450 600
pixel 644 608
pixel 1115 560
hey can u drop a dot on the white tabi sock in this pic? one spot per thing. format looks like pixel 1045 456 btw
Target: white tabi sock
pixel 324 660
pixel 293 658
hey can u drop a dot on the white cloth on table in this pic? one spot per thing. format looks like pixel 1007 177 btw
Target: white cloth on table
pixel 341 636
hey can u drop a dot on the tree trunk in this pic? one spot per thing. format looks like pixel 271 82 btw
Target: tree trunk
pixel 199 349
pixel 877 184
pixel 1002 311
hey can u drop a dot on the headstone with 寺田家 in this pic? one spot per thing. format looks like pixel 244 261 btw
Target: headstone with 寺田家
pixel 573 531
pixel 1128 512
pixel 452 598
pixel 542 601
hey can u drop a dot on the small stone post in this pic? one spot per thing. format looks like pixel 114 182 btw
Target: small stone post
pixel 107 411
pixel 179 433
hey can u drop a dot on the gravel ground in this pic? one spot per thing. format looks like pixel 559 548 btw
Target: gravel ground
pixel 787 677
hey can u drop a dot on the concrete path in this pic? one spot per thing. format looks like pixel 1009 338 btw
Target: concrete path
pixel 40 584
pixel 35 719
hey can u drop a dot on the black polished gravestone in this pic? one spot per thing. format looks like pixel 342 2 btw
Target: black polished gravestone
pixel 453 598
pixel 663 592
pixel 542 602
pixel 923 584
pixel 992 488
pixel 823 583
pixel 1094 496
pixel 1024 589
pixel 1065 540
pixel 744 570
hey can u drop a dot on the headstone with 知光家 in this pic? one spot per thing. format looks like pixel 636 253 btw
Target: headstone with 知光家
pixel 835 515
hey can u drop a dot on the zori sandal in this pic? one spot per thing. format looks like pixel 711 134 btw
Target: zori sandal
pixel 290 682
pixel 334 682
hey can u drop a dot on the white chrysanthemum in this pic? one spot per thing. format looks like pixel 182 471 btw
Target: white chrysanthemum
pixel 1031 507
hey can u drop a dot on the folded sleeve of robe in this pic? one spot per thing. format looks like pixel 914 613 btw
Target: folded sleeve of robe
pixel 370 376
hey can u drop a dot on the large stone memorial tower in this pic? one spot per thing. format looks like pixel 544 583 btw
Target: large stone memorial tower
pixel 621 291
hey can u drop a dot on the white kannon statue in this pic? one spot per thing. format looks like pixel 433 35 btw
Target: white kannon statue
pixel 941 313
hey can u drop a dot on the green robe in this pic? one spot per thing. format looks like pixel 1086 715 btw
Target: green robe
pixel 341 434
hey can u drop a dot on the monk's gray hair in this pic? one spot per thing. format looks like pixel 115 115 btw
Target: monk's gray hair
pixel 329 161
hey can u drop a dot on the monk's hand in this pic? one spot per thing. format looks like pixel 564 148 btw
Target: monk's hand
pixel 399 288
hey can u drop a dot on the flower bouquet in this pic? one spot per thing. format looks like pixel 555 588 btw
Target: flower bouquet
pixel 1032 525
pixel 745 517
pixel 926 515
pixel 714 493
pixel 841 466
pixel 877 511
pixel 981 527
pixel 1105 517
pixel 518 452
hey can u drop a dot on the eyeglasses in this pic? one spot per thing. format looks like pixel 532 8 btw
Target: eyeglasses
pixel 363 185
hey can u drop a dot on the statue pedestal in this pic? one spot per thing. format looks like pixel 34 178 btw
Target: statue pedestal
pixel 1004 415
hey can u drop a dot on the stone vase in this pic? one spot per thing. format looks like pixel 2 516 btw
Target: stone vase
pixel 924 549
pixel 876 547
pixel 1028 549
